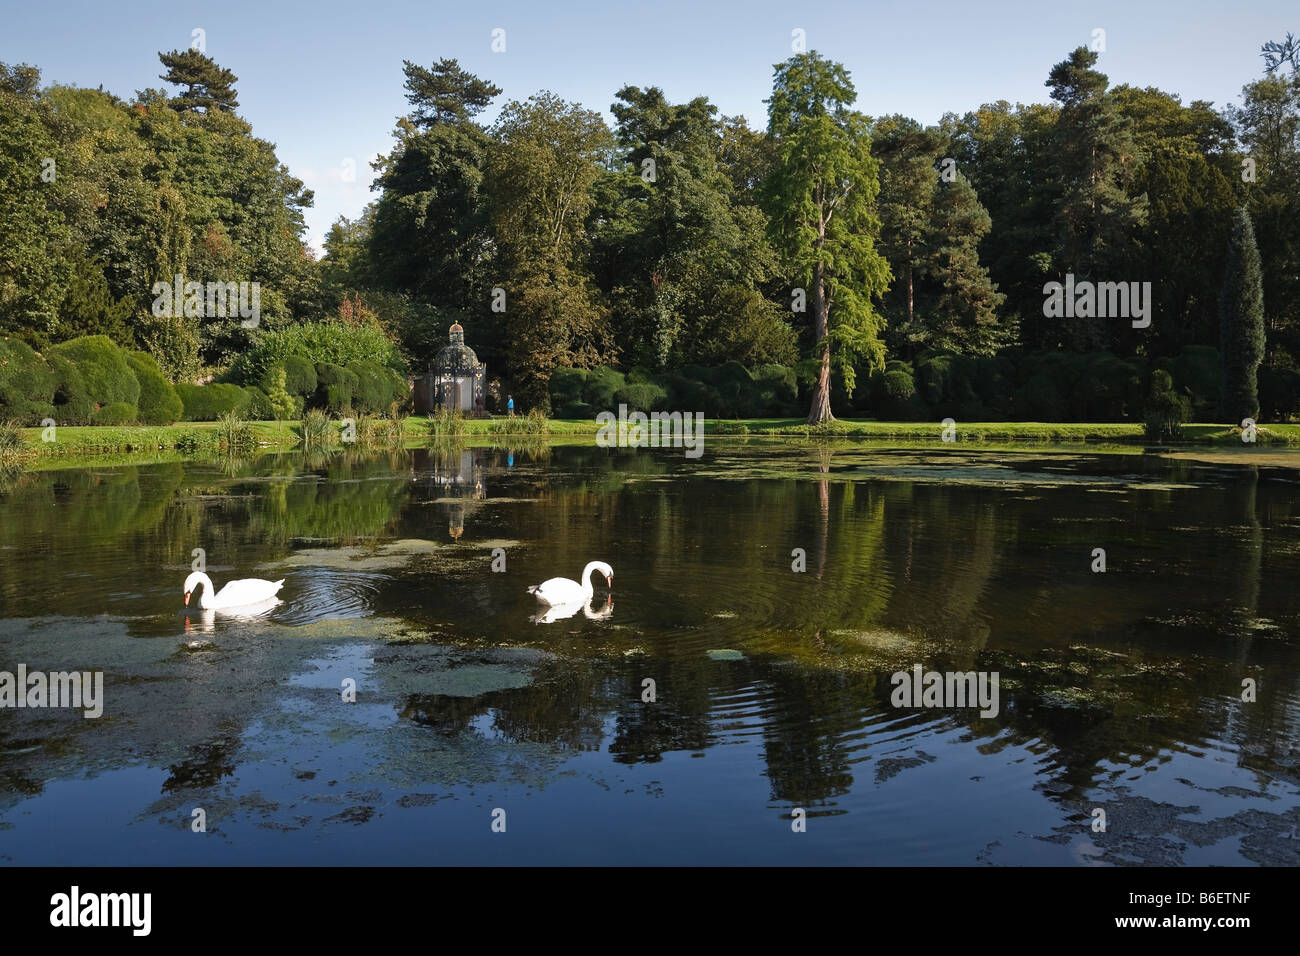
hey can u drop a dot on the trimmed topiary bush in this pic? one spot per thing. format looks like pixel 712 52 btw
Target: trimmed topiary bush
pixel 377 388
pixel 334 388
pixel 601 386
pixel 257 405
pixel 116 413
pixel 1166 410
pixel 105 374
pixel 728 390
pixel 72 404
pixel 567 386
pixel 1279 393
pixel 641 397
pixel 26 384
pixel 159 404
pixel 207 403
pixel 299 376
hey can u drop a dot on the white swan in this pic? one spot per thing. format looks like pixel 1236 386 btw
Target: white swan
pixel 563 591
pixel 235 594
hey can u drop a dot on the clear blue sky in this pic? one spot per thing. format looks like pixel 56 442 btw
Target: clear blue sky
pixel 323 80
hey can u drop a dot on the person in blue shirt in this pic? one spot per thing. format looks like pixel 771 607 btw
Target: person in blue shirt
pixel 510 405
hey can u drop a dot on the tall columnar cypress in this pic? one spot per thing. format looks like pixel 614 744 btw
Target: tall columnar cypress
pixel 1241 322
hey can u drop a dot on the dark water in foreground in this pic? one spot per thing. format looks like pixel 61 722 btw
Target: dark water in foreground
pixel 1119 691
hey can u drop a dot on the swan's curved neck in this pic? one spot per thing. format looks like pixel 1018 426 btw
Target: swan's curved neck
pixel 586 577
pixel 205 598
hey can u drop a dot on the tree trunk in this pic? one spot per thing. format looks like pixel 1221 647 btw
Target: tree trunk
pixel 821 398
pixel 911 311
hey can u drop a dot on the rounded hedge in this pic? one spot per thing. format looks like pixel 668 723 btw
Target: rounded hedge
pixel 26 383
pixel 159 404
pixel 299 376
pixel 257 405
pixel 334 387
pixel 107 377
pixel 641 397
pixel 377 388
pixel 115 413
pixel 566 387
pixel 207 403
pixel 601 385
pixel 72 404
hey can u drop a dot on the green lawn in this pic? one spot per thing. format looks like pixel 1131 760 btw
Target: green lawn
pixel 202 437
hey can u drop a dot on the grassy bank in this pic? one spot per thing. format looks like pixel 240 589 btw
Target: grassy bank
pixel 204 438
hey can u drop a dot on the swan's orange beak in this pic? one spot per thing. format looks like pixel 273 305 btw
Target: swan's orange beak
pixel 187 598
pixel 609 579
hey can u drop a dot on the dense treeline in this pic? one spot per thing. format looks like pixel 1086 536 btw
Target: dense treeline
pixel 838 252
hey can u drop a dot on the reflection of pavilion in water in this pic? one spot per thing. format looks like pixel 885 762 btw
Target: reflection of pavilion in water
pixel 456 476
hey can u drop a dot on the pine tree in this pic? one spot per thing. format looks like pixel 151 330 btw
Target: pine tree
pixel 1241 322
pixel 1095 214
pixel 207 85
pixel 931 227
pixel 88 307
pixel 907 190
pixel 964 316
pixel 444 93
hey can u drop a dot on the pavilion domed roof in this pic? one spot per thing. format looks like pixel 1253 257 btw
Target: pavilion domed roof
pixel 456 355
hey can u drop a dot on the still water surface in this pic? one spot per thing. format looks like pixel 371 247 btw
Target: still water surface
pixel 1119 691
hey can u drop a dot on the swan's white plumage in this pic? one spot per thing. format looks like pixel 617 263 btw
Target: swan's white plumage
pixel 557 591
pixel 239 593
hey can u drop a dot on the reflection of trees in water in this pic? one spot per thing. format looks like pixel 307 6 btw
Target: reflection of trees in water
pixel 1099 672
pixel 206 764
pixel 564 706
pixel 945 544
pixel 804 746
pixel 71 518
pixel 805 715
pixel 1121 667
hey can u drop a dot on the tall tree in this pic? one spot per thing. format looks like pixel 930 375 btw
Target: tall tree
pixel 962 312
pixel 547 156
pixel 32 231
pixel 208 87
pixel 429 235
pixel 681 255
pixel 1096 213
pixel 1187 171
pixel 820 199
pixel 1268 127
pixel 1241 311
pixel 1006 154
pixel 931 226
pixel 908 180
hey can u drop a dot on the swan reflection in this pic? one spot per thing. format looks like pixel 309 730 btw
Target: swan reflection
pixel 207 619
pixel 558 612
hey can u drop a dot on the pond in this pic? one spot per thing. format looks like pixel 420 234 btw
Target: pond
pixel 731 701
